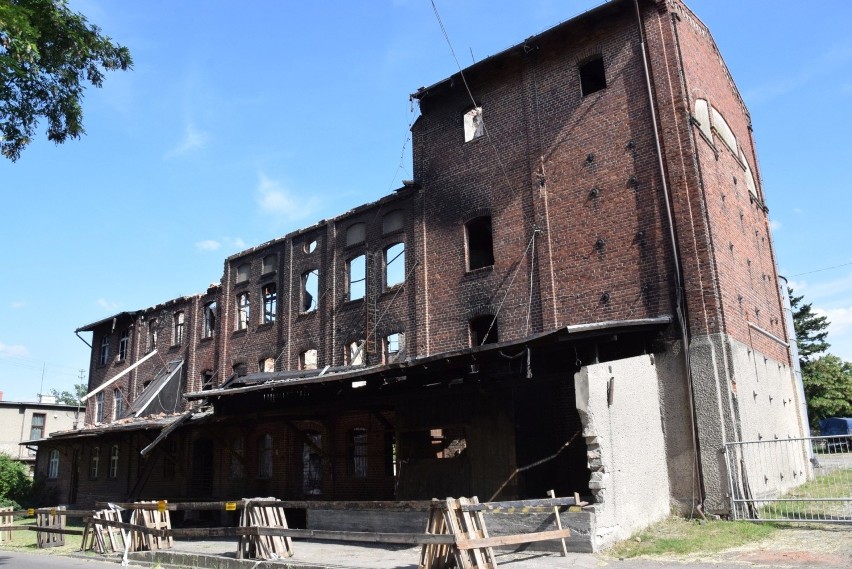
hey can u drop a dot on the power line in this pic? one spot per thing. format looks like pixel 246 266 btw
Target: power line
pixel 821 270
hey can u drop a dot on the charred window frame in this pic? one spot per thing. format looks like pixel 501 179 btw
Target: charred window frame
pixel 356 277
pixel 309 291
pixel 113 462
pixel 237 469
pixel 209 322
pixel 473 124
pixel 483 330
pixel 308 359
pixel 152 335
pixel 592 75
pixel 394 347
pixel 243 310
pixel 123 342
pixel 178 321
pixel 268 264
pixel 269 293
pixel 479 240
pixel 103 357
pixel 207 381
pixel 358 451
pixel 394 265
pixel 312 471
pixel 243 273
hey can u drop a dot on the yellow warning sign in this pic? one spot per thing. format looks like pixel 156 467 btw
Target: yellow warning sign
pixel 161 506
pixel 30 511
pixel 230 506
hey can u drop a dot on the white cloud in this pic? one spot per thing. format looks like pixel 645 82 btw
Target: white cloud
pixel 193 139
pixel 840 318
pixel 16 304
pixel 208 245
pixel 774 224
pixel 14 350
pixel 276 200
pixel 798 210
pixel 107 304
pixel 236 242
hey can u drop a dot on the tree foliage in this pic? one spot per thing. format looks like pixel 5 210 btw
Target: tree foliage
pixel 69 398
pixel 47 53
pixel 828 388
pixel 15 482
pixel 811 330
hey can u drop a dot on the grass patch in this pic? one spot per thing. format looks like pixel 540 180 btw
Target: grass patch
pixel 26 540
pixel 828 483
pixel 682 537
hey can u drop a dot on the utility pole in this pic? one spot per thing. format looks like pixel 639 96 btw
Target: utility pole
pixel 81 375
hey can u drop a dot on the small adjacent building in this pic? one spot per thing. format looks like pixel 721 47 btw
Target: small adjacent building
pixel 24 424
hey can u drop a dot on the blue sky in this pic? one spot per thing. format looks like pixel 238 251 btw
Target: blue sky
pixel 243 121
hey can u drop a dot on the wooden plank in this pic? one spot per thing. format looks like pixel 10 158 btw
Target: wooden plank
pixel 364 537
pixel 513 539
pixel 520 506
pixel 552 494
pixel 471 531
pixel 480 520
pixel 403 506
pixel 454 527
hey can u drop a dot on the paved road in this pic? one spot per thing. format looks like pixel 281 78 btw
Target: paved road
pixel 20 560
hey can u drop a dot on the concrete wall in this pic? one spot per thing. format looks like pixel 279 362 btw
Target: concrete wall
pixel 619 403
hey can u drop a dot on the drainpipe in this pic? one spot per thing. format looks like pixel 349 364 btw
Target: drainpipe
pixel 680 303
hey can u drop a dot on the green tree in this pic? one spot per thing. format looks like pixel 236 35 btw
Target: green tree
pixel 828 388
pixel 47 52
pixel 811 330
pixel 69 398
pixel 15 482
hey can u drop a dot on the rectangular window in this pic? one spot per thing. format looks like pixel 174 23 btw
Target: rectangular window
pixel 394 265
pixel 123 342
pixel 242 311
pixel 113 462
pixel 483 330
pixel 592 76
pixel 480 243
pixel 354 355
pixel 104 355
pixel 473 127
pixel 394 347
pixel 99 408
pixel 37 426
pixel 264 456
pixel 209 320
pixel 308 359
pixel 356 270
pixel 270 301
pixel 152 335
pixel 238 459
pixel 358 443
pixel 118 404
pixel 177 335
pixel 53 465
pixel 268 265
pixel 95 463
pixel 243 272
pixel 207 381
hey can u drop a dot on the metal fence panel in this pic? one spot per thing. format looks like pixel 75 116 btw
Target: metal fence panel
pixel 801 479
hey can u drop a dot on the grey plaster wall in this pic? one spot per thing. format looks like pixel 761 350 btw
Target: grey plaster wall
pixel 742 395
pixel 619 404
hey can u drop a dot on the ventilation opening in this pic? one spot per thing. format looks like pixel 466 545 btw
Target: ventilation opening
pixel 592 76
pixel 482 331
pixel 480 243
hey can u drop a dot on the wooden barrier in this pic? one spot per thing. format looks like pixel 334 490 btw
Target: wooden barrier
pixel 6 519
pixel 54 520
pixel 156 519
pixel 256 545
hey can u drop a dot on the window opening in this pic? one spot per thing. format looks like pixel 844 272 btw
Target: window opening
pixel 152 335
pixel 354 355
pixel 264 456
pixel 270 302
pixel 243 273
pixel 390 453
pixel 356 233
pixel 118 404
pixel 113 462
pixel 310 246
pixel 37 426
pixel 53 465
pixel 177 335
pixel 312 464
pixel 209 326
pixel 308 359
pixel 207 381
pixel 357 272
pixel 99 408
pixel 268 264
pixel 473 127
pixel 310 287
pixel 94 463
pixel 592 76
pixel 358 446
pixel 480 243
pixel 394 265
pixel 267 365
pixel 123 341
pixel 238 469
pixel 104 355
pixel 392 221
pixel 243 307
pixel 394 347
pixel 482 331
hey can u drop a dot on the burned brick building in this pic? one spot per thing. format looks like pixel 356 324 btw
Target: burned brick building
pixel 579 276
